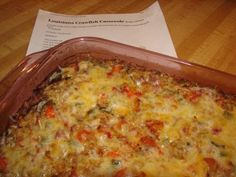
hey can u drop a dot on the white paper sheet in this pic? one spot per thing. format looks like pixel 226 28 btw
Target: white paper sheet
pixel 146 29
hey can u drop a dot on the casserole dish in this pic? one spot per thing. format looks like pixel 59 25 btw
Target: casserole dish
pixel 22 83
pixel 36 67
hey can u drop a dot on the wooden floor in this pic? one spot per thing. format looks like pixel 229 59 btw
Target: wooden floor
pixel 203 31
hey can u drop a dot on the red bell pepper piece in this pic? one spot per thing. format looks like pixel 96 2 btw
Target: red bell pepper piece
pixel 3 164
pixel 120 173
pixel 82 135
pixel 115 69
pixel 154 125
pixel 50 112
pixel 148 141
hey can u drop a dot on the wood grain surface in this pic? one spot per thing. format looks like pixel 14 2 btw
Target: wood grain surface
pixel 203 31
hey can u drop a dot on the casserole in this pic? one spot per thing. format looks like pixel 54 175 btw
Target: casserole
pixel 22 84
pixel 36 67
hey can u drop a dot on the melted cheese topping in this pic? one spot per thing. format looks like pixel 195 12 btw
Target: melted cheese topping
pixel 108 119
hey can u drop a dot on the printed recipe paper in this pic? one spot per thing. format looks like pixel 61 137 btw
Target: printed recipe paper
pixel 146 29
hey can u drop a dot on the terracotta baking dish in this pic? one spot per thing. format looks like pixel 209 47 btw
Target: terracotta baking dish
pixel 19 85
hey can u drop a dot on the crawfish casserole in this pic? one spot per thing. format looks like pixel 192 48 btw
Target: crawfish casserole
pixel 111 119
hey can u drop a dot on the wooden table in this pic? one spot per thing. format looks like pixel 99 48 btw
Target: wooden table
pixel 203 32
